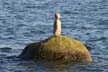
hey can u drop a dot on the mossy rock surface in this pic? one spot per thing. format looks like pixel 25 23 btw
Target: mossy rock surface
pixel 57 48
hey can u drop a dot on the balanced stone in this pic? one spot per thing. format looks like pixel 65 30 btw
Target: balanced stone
pixel 57 48
pixel 57 25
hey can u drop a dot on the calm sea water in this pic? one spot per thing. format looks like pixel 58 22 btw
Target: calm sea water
pixel 26 21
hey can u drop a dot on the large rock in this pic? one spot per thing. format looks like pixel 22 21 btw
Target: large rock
pixel 57 48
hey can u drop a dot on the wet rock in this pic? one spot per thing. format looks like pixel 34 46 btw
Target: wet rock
pixel 57 48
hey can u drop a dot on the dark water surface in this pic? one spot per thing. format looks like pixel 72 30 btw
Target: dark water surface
pixel 26 21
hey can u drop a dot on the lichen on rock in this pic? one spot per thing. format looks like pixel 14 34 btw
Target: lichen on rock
pixel 57 48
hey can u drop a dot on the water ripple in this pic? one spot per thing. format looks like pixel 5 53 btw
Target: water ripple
pixel 26 21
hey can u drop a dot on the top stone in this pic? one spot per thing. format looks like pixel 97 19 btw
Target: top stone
pixel 57 25
pixel 57 15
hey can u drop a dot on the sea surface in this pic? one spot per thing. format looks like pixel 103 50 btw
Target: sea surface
pixel 27 21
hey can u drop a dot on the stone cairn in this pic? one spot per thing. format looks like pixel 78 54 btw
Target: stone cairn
pixel 57 48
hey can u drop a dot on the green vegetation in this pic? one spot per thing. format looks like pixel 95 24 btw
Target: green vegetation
pixel 57 48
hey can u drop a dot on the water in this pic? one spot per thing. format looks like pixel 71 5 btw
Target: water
pixel 26 21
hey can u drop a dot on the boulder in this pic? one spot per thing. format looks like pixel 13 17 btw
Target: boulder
pixel 57 48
